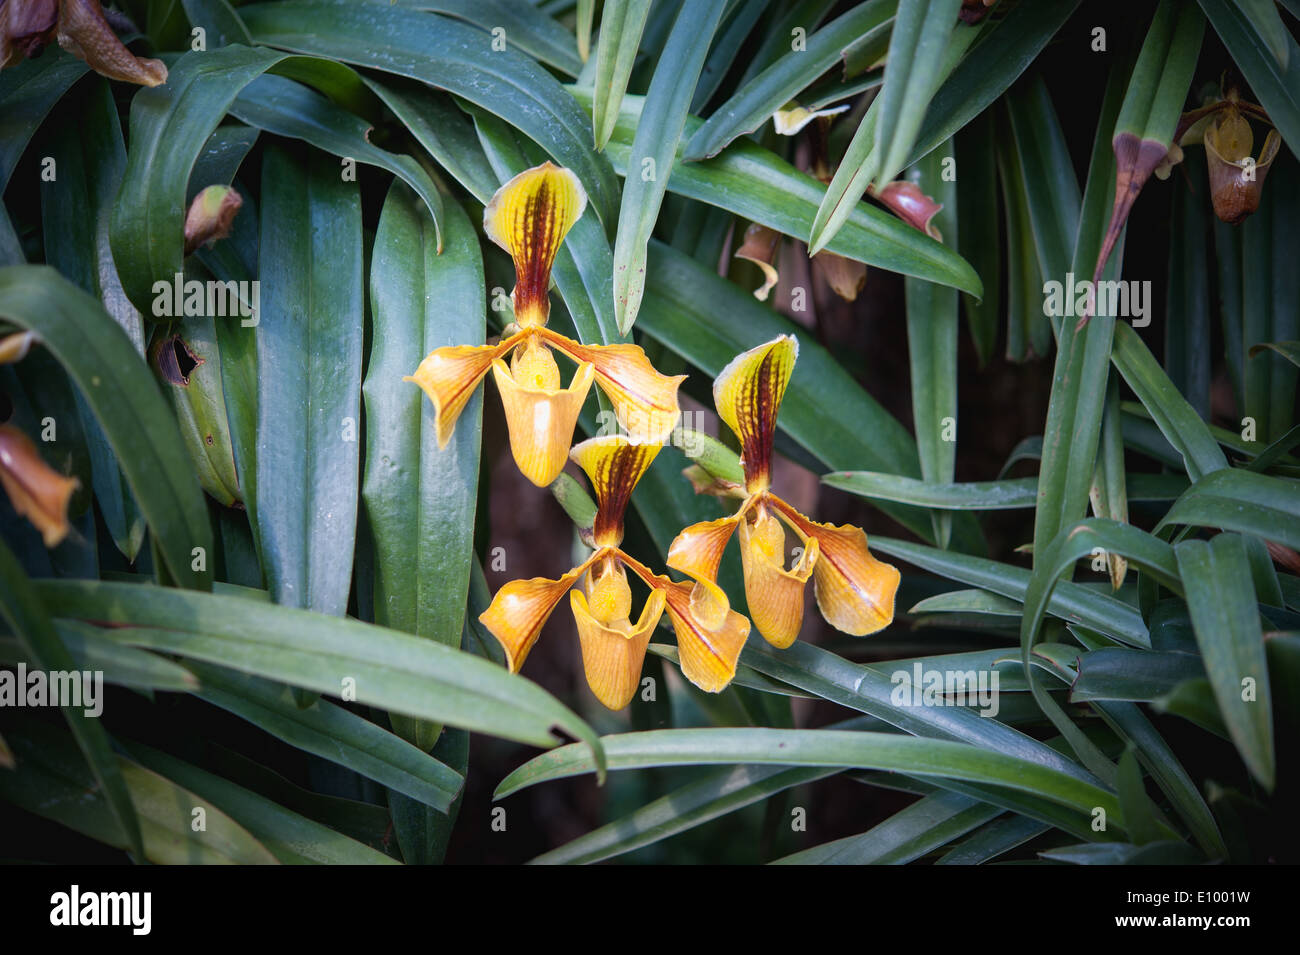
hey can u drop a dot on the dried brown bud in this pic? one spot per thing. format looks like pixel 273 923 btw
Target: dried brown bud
pixel 210 217
pixel 909 203
pixel 760 247
pixel 845 276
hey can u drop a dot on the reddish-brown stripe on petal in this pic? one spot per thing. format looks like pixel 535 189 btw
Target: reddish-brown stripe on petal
pixel 614 465
pixel 529 217
pixel 748 397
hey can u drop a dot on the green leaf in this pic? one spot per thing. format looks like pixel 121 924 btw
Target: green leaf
pixel 50 781
pixel 122 666
pixel 1069 601
pixel 1149 553
pixel 754 103
pixel 871 691
pixel 1288 350
pixel 28 91
pixel 392 670
pixel 932 347
pixel 994 839
pixel 864 750
pixel 220 22
pixel 1005 49
pixel 1051 189
pixel 1177 420
pixel 24 615
pixel 1220 598
pixel 984 495
pixel 1275 80
pixel 440 128
pixel 448 55
pixel 330 732
pixel 1240 500
pixel 621 23
pixel 1148 117
pixel 120 390
pixel 928 824
pixel 1120 673
pixel 294 839
pixel 309 380
pixel 169 126
pixel 720 792
pixel 420 501
pixel 863 162
pixel 285 108
pixel 650 162
pixel 531 30
pixel 912 73
pixel 756 184
pixel 90 156
pixel 978 237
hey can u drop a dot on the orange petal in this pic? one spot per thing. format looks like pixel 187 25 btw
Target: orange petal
pixel 774 594
pixel 698 549
pixel 855 591
pixel 449 376
pixel 710 635
pixel 529 217
pixel 644 400
pixel 541 421
pixel 614 465
pixel 84 33
pixel 748 396
pixel 613 652
pixel 36 490
pixel 521 608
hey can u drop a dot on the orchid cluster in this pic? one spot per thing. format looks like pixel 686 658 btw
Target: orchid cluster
pixel 529 217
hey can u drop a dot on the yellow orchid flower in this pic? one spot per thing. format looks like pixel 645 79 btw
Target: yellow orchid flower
pixel 529 217
pixel 855 591
pixel 710 635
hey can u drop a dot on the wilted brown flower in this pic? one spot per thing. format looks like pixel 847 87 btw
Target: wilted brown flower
pixel 35 489
pixel 80 27
pixel 1236 178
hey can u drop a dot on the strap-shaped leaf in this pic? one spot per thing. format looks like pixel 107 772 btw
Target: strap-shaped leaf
pixel 451 56
pixel 392 670
pixel 120 390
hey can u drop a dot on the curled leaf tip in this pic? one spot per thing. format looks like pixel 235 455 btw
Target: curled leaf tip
pixel 909 203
